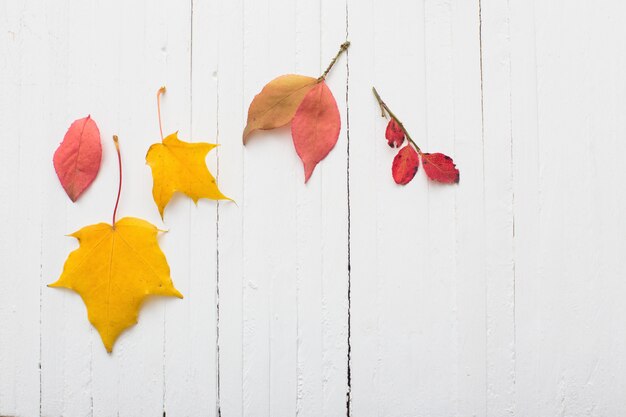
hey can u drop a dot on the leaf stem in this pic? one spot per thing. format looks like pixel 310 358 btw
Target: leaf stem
pixel 385 110
pixel 119 187
pixel 161 91
pixel 344 46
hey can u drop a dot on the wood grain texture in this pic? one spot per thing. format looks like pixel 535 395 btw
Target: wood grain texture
pixel 349 295
pixel 570 236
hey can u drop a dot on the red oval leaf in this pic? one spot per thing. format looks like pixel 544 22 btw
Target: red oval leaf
pixel 405 165
pixel 315 127
pixel 394 134
pixel 440 167
pixel 77 159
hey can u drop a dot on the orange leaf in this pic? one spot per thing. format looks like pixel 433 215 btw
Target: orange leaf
pixel 315 127
pixel 276 104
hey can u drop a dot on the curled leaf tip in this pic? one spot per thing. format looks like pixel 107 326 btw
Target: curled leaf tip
pixel 245 135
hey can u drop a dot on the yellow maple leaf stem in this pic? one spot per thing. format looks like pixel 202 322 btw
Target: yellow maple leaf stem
pixel 119 187
pixel 161 91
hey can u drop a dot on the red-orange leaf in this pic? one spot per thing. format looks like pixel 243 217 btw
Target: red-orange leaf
pixel 394 134
pixel 77 159
pixel 440 167
pixel 315 127
pixel 405 165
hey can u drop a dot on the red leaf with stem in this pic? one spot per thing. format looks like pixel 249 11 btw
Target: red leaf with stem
pixel 405 165
pixel 440 168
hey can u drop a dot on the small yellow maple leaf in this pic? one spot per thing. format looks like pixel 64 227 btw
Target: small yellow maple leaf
pixel 181 166
pixel 114 269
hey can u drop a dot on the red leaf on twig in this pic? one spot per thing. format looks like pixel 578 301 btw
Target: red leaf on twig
pixel 440 168
pixel 405 165
pixel 394 134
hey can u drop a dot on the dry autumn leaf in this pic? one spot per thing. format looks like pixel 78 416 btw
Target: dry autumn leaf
pixel 179 166
pixel 77 159
pixel 440 168
pixel 315 127
pixel 405 165
pixel 394 134
pixel 277 103
pixel 114 269
pixel 309 104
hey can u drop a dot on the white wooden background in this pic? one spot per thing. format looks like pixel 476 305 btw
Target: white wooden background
pixel 502 296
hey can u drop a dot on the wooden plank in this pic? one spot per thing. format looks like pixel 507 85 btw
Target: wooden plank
pixel 469 211
pixel 24 74
pixel 417 270
pixel 190 350
pixel 322 235
pixel 231 116
pixel 67 340
pixel 568 89
pixel 86 380
pixel 498 215
pixel 269 223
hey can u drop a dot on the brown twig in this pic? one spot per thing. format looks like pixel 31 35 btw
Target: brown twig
pixel 344 46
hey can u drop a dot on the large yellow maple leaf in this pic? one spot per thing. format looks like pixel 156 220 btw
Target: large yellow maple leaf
pixel 114 269
pixel 181 166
